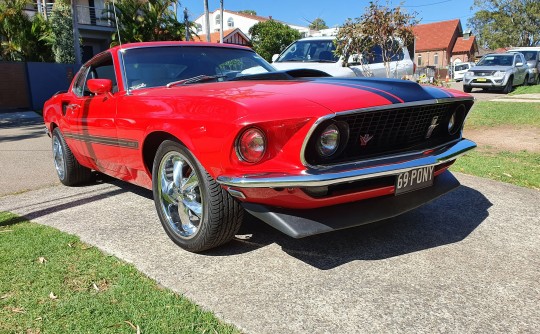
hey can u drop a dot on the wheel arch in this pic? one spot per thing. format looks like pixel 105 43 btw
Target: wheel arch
pixel 150 146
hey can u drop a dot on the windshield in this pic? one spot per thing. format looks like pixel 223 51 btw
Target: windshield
pixel 159 66
pixel 496 60
pixel 310 51
pixel 461 67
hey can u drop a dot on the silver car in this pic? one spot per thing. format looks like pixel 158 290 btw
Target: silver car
pixel 497 71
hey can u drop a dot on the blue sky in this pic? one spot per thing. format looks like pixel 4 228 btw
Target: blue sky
pixel 335 12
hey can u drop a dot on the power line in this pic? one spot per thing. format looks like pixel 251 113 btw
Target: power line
pixel 429 4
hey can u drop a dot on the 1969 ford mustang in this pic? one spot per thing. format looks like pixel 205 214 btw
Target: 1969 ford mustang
pixel 215 131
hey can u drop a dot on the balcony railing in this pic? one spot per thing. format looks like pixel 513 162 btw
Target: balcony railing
pixel 96 15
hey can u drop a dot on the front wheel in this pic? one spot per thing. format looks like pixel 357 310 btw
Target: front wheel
pixel 508 87
pixel 526 82
pixel 467 89
pixel 195 211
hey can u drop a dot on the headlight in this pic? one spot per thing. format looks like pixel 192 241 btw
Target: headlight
pixel 456 120
pixel 499 74
pixel 251 145
pixel 468 74
pixel 328 142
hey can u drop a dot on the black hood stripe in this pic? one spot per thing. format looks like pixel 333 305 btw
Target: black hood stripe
pixel 395 91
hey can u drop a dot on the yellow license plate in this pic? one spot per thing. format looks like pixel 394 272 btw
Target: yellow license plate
pixel 481 79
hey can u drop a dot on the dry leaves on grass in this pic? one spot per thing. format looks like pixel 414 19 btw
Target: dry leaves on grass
pixel 136 328
pixel 15 309
pixel 53 296
pixel 42 260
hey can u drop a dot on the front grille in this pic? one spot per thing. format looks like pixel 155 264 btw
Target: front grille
pixel 393 130
pixel 483 73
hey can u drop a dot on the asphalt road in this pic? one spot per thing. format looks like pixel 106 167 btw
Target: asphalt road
pixel 468 262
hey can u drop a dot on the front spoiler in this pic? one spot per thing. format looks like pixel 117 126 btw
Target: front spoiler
pixel 299 223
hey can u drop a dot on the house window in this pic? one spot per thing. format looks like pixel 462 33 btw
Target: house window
pixel 436 59
pixel 218 19
pixel 199 27
pixel 419 60
pixel 230 22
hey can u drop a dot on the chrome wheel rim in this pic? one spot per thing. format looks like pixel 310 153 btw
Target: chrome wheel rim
pixel 180 197
pixel 58 155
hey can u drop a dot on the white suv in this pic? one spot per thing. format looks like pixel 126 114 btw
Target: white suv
pixel 318 53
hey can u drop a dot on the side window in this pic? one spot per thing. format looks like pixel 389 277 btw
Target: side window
pixel 102 68
pixel 78 87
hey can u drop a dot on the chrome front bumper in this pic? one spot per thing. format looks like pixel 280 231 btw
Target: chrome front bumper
pixel 386 166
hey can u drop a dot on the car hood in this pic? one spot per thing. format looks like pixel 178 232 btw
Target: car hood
pixel 299 97
pixel 491 68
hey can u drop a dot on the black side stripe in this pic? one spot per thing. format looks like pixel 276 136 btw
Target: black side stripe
pixel 125 143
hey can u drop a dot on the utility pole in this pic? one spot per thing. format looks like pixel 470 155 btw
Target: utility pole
pixel 207 20
pixel 186 22
pixel 221 21
pixel 76 37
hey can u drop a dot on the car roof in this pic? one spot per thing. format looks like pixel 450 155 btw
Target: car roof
pixel 526 48
pixel 176 43
pixel 321 38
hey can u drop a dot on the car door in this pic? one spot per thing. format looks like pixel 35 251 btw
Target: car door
pixel 521 70
pixel 92 117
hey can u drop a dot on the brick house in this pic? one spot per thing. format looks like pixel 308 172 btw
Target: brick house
pixel 439 44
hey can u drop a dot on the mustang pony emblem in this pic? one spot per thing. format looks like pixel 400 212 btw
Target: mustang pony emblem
pixel 432 127
pixel 365 139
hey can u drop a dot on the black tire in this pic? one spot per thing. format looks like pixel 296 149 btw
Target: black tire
pixel 195 211
pixel 526 82
pixel 69 170
pixel 467 89
pixel 508 87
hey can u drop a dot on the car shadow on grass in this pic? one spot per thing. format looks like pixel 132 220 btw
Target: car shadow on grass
pixel 446 220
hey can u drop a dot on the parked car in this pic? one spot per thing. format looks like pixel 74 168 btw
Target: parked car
pixel 318 53
pixel 460 69
pixel 215 131
pixel 499 71
pixel 532 56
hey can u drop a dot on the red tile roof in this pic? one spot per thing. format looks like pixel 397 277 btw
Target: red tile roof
pixel 435 36
pixel 464 45
pixel 214 37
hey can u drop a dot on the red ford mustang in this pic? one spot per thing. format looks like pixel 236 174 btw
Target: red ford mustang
pixel 215 131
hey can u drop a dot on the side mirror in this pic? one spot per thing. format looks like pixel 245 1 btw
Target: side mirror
pixel 275 57
pixel 519 64
pixel 100 86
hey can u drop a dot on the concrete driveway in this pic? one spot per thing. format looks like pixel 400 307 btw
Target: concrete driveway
pixel 467 262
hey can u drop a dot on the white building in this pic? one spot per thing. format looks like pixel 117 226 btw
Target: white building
pixel 234 20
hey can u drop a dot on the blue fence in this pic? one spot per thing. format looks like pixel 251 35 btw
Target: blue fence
pixel 45 79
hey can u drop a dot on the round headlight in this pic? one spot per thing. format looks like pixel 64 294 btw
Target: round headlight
pixel 456 119
pixel 251 145
pixel 328 142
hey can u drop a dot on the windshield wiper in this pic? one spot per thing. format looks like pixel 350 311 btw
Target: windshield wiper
pixel 198 78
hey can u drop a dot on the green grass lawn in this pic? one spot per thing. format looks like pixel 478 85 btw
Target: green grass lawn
pixel 519 168
pixel 51 282
pixel 526 90
pixel 490 114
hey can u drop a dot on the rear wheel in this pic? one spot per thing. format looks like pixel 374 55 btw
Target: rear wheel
pixel 195 211
pixel 68 169
pixel 467 89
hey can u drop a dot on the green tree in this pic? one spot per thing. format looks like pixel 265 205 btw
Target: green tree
pixel 318 24
pixel 380 27
pixel 271 37
pixel 503 23
pixel 62 33
pixel 22 38
pixel 144 21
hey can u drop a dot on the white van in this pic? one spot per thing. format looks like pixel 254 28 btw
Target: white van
pixel 318 53
pixel 460 69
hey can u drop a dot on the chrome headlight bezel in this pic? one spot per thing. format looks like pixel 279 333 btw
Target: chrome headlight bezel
pixel 499 74
pixel 469 74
